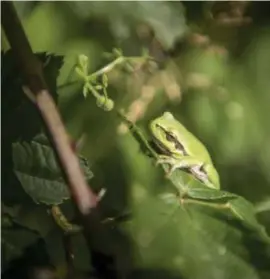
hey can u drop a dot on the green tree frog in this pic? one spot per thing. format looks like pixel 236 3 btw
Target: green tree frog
pixel 182 150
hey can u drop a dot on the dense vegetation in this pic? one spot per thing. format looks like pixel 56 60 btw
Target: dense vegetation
pixel 111 68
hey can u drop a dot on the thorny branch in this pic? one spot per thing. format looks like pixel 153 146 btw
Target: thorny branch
pixel 37 91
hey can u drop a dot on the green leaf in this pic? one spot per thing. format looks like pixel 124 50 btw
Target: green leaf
pixel 56 250
pixel 80 73
pixel 17 109
pixel 55 247
pixel 180 242
pixel 218 200
pixel 83 63
pixel 37 169
pixel 30 216
pixel 263 205
pixel 52 65
pixel 245 211
pixel 204 193
pixel 14 242
pixel 81 252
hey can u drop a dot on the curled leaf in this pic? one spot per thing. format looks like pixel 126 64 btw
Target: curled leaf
pixel 83 63
pixel 80 72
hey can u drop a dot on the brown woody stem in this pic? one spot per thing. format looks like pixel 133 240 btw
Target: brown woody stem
pixel 36 90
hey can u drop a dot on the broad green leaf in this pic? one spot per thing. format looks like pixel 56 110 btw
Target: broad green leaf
pixel 263 205
pixel 245 211
pixel 30 216
pixel 55 247
pixel 37 169
pixel 14 242
pixel 192 188
pixel 210 194
pixel 52 65
pixel 184 242
pixel 218 200
pixel 80 252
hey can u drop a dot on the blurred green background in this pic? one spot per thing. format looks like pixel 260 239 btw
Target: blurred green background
pixel 213 73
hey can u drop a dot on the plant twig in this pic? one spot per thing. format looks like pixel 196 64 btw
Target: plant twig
pixel 106 69
pixel 69 256
pixel 37 91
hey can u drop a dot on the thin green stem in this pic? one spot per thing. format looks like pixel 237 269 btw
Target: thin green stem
pixel 93 90
pixel 138 134
pixel 64 85
pixel 214 205
pixel 108 67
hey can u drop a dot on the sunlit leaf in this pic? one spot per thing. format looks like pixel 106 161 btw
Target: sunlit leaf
pixel 182 242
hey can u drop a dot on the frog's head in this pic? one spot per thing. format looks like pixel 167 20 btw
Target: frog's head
pixel 165 133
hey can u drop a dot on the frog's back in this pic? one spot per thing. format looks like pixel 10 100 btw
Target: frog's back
pixel 193 145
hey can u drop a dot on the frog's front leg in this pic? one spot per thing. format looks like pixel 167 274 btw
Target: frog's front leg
pixel 165 159
pixel 185 162
pixel 182 162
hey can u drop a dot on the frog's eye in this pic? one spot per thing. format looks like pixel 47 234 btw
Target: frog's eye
pixel 177 145
pixel 170 137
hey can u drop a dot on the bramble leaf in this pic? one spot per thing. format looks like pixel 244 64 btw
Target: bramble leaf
pixel 36 167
